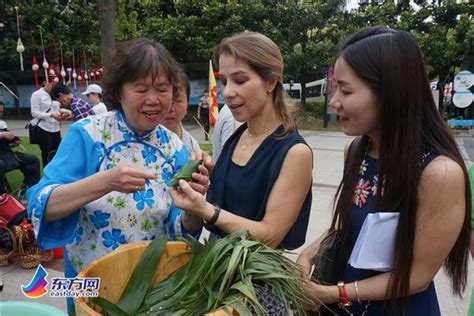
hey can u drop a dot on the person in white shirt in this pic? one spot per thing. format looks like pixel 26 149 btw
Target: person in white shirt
pixel 176 114
pixel 94 95
pixel 225 127
pixel 46 115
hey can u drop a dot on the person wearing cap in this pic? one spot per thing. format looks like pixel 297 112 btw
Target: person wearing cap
pixel 80 108
pixel 94 95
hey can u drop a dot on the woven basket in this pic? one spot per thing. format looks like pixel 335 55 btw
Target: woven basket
pixel 7 255
pixel 30 255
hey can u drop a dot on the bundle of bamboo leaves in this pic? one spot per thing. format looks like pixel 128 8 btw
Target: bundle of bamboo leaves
pixel 220 273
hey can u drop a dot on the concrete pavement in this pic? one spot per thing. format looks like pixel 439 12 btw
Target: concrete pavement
pixel 328 162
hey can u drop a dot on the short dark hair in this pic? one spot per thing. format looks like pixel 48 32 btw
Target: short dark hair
pixel 134 60
pixel 2 103
pixel 98 94
pixel 59 88
pixel 183 82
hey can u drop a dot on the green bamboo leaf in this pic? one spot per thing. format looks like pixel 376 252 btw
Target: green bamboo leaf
pixel 222 272
pixel 233 262
pixel 236 302
pixel 185 173
pixel 246 290
pixel 108 308
pixel 142 277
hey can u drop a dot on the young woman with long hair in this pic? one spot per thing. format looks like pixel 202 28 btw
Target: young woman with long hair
pixel 405 161
pixel 262 180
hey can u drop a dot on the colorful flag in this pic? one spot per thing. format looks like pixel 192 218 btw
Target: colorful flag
pixel 213 105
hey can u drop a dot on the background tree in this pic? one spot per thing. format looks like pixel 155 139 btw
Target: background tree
pixel 444 30
pixel 63 25
pixel 307 31
pixel 107 15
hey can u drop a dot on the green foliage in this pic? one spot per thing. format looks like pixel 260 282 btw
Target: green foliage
pixel 142 277
pixel 225 272
pixel 315 107
pixel 307 31
pixel 445 32
pixel 206 147
pixel 67 25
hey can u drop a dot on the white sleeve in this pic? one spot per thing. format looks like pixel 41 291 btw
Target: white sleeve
pixel 99 108
pixel 228 128
pixel 36 112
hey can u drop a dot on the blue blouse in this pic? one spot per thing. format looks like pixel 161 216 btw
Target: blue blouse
pixel 98 143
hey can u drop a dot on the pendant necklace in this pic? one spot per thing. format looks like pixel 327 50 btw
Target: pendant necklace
pixel 243 147
pixel 253 138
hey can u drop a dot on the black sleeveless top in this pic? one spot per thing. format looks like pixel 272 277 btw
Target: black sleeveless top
pixel 244 190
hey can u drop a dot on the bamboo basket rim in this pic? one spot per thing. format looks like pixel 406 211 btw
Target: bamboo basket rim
pixel 81 302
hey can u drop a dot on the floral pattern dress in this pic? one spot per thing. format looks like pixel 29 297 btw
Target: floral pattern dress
pixel 365 201
pixel 99 143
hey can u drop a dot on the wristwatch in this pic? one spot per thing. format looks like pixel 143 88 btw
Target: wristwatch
pixel 215 216
pixel 343 298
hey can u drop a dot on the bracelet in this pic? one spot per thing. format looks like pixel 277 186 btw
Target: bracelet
pixel 357 292
pixel 343 298
pixel 215 216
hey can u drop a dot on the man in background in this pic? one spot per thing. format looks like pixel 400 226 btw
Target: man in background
pixel 11 160
pixel 80 108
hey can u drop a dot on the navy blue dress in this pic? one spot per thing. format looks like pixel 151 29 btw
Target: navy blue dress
pixel 244 190
pixel 365 197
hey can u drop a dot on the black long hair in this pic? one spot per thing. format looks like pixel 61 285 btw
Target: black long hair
pixel 391 63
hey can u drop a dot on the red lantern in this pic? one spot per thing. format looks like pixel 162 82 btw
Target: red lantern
pixel 35 68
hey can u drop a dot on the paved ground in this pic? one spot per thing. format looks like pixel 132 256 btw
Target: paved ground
pixel 328 158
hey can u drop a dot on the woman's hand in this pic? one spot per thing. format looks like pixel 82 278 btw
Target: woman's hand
pixel 311 290
pixel 127 178
pixel 305 264
pixel 190 201
pixel 202 178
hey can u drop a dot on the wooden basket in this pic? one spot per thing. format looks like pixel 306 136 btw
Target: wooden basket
pixel 115 269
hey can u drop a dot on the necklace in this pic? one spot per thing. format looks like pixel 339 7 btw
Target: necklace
pixel 243 147
pixel 253 138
